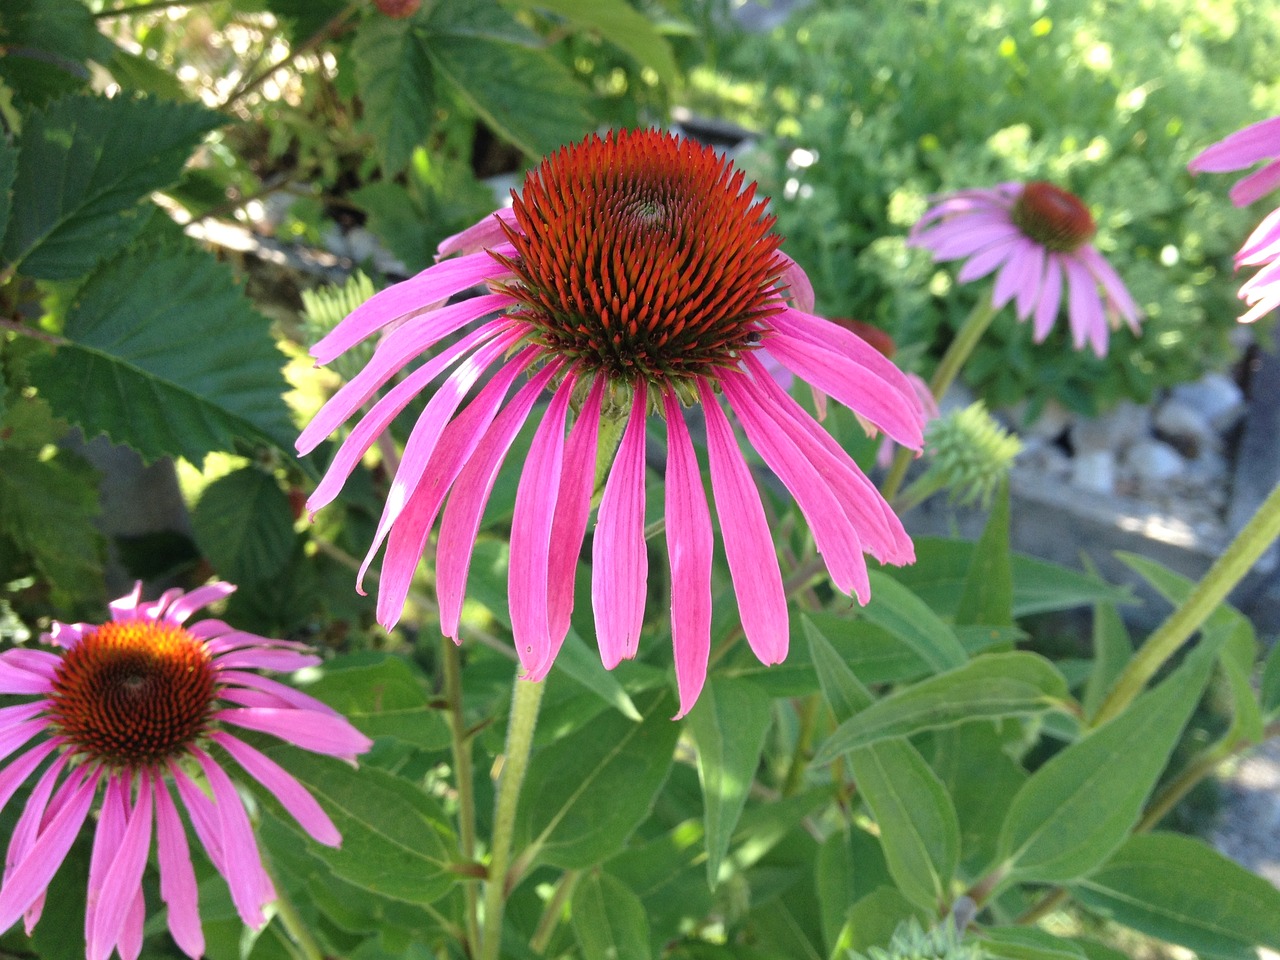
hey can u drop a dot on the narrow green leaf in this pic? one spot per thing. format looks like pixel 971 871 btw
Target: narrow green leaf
pixel 393 834
pixel 243 525
pixel 621 25
pixel 1074 811
pixel 585 793
pixel 609 921
pixel 1180 889
pixel 728 724
pixel 583 665
pixel 898 610
pixel 989 687
pixel 1176 588
pixel 874 918
pixel 84 164
pixel 987 596
pixel 974 765
pixel 1112 649
pixel 182 374
pixel 383 696
pixel 834 880
pixel 1269 694
pixel 1027 943
pixel 844 694
pixel 397 86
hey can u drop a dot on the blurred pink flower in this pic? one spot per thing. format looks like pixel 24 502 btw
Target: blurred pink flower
pixel 1037 236
pixel 129 705
pixel 1243 149
pixel 634 275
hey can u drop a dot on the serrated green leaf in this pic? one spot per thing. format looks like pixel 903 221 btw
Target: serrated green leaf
pixel 1077 809
pixel 728 724
pixel 47 43
pixel 623 26
pixel 898 610
pixel 1180 889
pixel 393 834
pixel 179 374
pixel 133 71
pixel 585 793
pixel 383 696
pixel 397 86
pixel 243 525
pixel 609 921
pixel 989 687
pixel 987 595
pixel 84 163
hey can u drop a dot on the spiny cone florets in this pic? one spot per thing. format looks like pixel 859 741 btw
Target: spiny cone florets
pixel 1053 218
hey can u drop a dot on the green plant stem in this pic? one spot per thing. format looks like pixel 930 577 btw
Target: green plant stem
pixel 1227 571
pixel 326 32
pixel 804 745
pixel 525 701
pixel 550 918
pixel 966 338
pixel 297 931
pixel 148 8
pixel 464 777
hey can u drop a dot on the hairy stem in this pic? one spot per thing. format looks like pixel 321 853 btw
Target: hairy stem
pixel 550 918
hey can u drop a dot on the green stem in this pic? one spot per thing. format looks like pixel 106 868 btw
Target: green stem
pixel 966 338
pixel 524 718
pixel 464 775
pixel 804 745
pixel 550 918
pixel 147 8
pixel 297 931
pixel 1227 571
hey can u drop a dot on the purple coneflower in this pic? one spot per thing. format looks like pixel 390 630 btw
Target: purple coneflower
pixel 1037 236
pixel 634 275
pixel 130 706
pixel 1243 149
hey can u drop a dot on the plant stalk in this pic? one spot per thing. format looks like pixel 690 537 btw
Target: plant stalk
pixel 464 777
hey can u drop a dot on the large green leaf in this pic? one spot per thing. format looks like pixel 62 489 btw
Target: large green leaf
pixel 987 596
pixel 83 165
pixel 989 687
pixel 393 834
pixel 1112 649
pixel 585 793
pixel 728 723
pixel 834 874
pixel 8 170
pixel 46 44
pixel 1181 890
pixel 898 610
pixel 383 696
pixel 609 920
pixel 243 525
pixel 622 25
pixel 167 355
pixel 397 86
pixel 1074 811
pixel 1027 943
pixel 973 763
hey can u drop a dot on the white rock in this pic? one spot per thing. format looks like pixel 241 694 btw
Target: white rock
pixel 1186 425
pixel 1053 421
pixel 1217 397
pixel 1094 470
pixel 1154 462
pixel 1124 425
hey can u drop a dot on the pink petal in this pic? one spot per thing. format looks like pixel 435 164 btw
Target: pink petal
pixel 1112 285
pixel 1244 148
pixel 37 812
pixel 433 285
pixel 469 495
pixel 318 732
pixel 112 820
pixel 527 583
pixel 280 661
pixel 689 543
pixel 573 509
pixel 129 943
pixel 487 233
pixel 292 795
pixel 988 258
pixel 1256 185
pixel 278 693
pixel 123 878
pixel 244 872
pixel 126 607
pixel 16 773
pixel 1032 279
pixel 748 542
pixel 796 281
pixel 177 877
pixel 14 736
pixel 1263 244
pixel 1084 307
pixel 1050 300
pixel 619 560
pixel 204 816
pixel 183 607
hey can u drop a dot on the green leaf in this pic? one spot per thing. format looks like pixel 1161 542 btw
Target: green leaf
pixel 621 25
pixel 84 163
pixel 898 610
pixel 582 664
pixel 989 687
pixel 585 793
pixel 397 87
pixel 728 724
pixel 243 525
pixel 1027 943
pixel 1269 692
pixel 987 595
pixel 1112 649
pixel 393 834
pixel 1180 889
pixel 1074 811
pixel 974 764
pixel 844 694
pixel 1176 588
pixel 8 170
pixel 874 918
pixel 383 696
pixel 46 44
pixel 181 374
pixel 834 880
pixel 609 921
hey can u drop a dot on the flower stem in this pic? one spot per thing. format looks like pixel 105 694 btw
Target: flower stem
pixel 966 338
pixel 464 776
pixel 296 930
pixel 1227 571
pixel 525 701
pixel 554 911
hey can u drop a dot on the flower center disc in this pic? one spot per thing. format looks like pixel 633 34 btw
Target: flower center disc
pixel 1053 218
pixel 134 693
pixel 642 255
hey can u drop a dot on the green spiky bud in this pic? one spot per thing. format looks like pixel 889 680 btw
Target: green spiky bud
pixel 969 454
pixel 912 942
pixel 325 307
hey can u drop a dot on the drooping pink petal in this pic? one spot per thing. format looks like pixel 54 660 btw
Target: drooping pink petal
pixel 15 774
pixel 527 583
pixel 281 661
pixel 244 871
pixel 177 877
pixel 1084 307
pixel 112 820
pixel 963 236
pixel 1031 281
pixel 221 639
pixel 204 817
pixel 799 287
pixel 689 544
pixel 988 259
pixel 123 878
pixel 486 233
pixel 435 284
pixel 292 795
pixel 1263 244
pixel 1116 292
pixel 319 733
pixel 27 830
pixel 1244 148
pixel 276 693
pixel 573 509
pixel 836 538
pixel 1050 300
pixel 15 735
pixel 40 662
pixel 470 493
pixel 748 542
pixel 1256 185
pixel 619 560
pixel 129 943
pixel 181 609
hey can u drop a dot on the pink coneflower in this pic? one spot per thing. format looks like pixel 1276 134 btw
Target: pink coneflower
pixel 1241 150
pixel 634 275
pixel 131 705
pixel 1037 236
